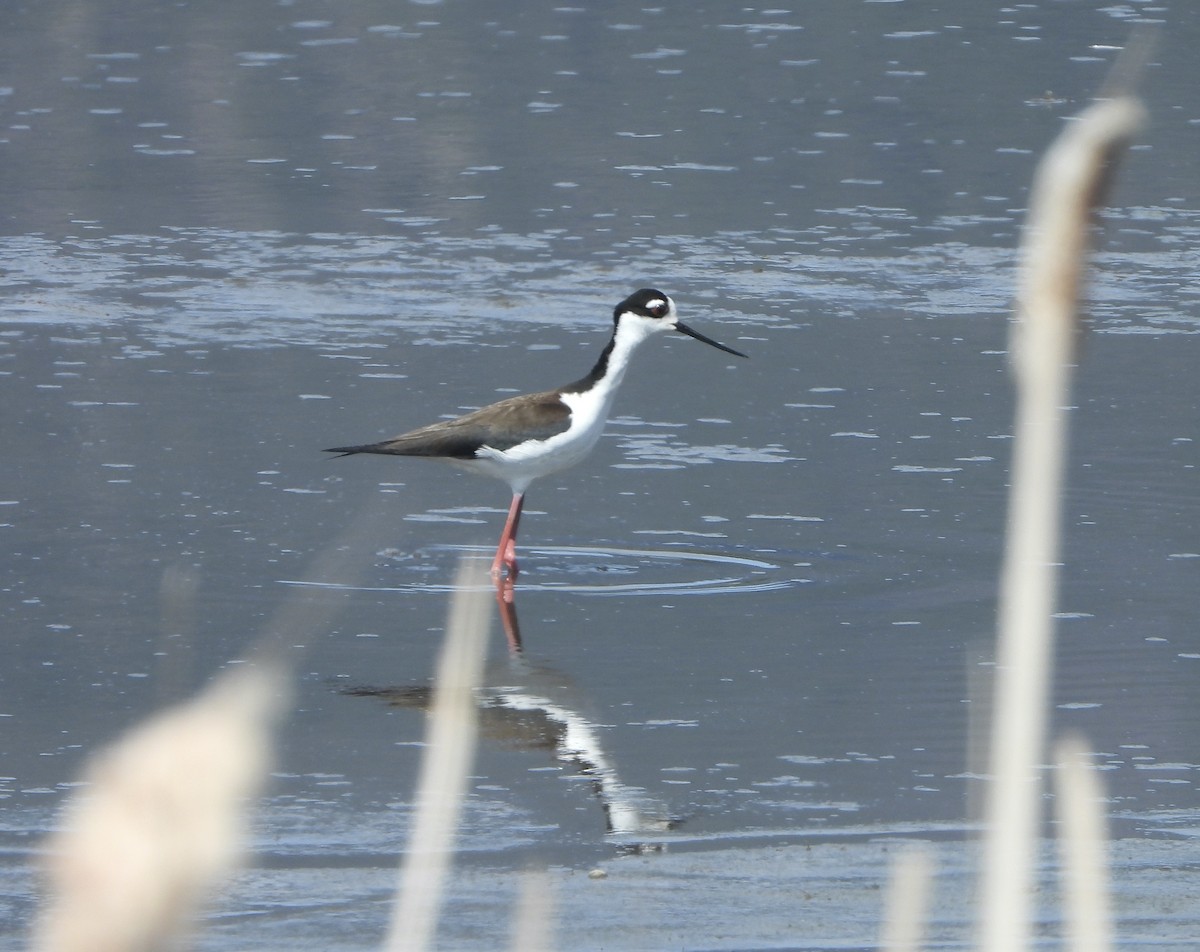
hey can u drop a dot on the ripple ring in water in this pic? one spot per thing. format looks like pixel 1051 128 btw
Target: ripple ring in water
pixel 650 572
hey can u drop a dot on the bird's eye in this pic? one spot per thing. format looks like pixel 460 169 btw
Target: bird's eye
pixel 657 309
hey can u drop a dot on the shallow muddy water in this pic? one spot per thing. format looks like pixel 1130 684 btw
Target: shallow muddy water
pixel 758 619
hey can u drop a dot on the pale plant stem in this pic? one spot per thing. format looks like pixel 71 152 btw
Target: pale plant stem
pixel 907 901
pixel 535 914
pixel 1082 843
pixel 1068 184
pixel 445 768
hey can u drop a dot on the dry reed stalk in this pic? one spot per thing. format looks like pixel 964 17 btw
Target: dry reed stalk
pixel 442 784
pixel 1082 842
pixel 535 914
pixel 162 816
pixel 1069 183
pixel 161 820
pixel 907 900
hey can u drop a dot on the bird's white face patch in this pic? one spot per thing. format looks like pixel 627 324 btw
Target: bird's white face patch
pixel 651 317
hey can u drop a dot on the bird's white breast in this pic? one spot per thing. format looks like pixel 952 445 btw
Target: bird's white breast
pixel 522 464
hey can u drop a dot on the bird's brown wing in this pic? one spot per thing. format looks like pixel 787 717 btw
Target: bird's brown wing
pixel 535 416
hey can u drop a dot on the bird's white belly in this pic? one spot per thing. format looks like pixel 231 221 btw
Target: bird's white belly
pixel 522 464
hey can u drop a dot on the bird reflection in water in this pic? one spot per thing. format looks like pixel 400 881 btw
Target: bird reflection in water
pixel 536 708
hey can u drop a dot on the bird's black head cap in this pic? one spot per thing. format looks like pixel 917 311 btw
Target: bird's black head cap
pixel 647 302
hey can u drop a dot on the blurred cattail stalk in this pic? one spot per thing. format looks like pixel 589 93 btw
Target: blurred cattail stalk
pixel 442 785
pixel 1082 845
pixel 908 898
pixel 533 922
pixel 160 821
pixel 1069 184
pixel 162 816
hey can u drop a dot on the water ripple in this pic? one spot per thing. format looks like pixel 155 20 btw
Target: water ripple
pixel 586 570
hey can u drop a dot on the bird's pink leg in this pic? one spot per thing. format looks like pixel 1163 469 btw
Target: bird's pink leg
pixel 506 552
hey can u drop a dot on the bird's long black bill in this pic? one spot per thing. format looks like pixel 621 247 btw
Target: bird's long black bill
pixel 684 329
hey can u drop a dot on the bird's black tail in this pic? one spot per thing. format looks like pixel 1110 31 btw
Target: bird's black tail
pixel 349 450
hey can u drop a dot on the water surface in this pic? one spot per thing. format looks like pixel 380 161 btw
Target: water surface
pixel 759 617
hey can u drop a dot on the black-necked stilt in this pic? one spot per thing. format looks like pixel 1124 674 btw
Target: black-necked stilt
pixel 521 438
